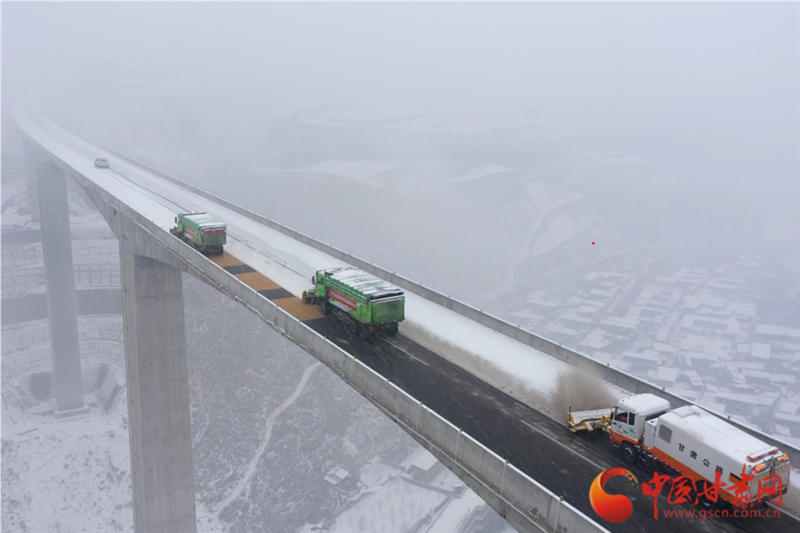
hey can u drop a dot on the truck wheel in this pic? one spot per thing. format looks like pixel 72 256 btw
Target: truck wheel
pixel 392 330
pixel 628 452
pixel 324 308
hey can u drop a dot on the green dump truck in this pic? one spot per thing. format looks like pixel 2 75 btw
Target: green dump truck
pixel 365 303
pixel 201 230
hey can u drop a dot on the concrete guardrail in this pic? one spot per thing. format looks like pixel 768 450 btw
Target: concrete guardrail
pixel 525 503
pixel 603 371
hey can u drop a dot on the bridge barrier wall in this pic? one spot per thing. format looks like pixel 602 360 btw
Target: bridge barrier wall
pixel 603 371
pixel 612 375
pixel 525 503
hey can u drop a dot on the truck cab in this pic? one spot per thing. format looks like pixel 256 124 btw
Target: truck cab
pixel 630 416
pixel 692 443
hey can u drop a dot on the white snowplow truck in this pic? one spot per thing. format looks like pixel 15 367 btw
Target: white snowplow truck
pixel 692 442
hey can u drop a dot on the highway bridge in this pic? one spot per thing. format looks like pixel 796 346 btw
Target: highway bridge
pixel 528 467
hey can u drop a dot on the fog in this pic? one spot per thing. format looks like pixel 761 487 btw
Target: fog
pixel 700 63
pixel 706 90
pixel 606 175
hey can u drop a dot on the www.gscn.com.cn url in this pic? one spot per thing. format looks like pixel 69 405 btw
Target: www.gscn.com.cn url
pixel 703 514
pixel 684 489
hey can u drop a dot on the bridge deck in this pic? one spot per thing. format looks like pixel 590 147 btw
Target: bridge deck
pixel 267 288
pixel 537 445
pixel 542 448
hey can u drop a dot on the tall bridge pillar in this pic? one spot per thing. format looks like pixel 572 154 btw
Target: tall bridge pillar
pixel 158 394
pixel 62 310
pixel 31 180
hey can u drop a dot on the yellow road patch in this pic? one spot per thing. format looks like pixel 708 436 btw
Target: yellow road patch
pixel 299 310
pixel 225 259
pixel 257 281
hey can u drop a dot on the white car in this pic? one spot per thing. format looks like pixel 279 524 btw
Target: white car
pixel 101 162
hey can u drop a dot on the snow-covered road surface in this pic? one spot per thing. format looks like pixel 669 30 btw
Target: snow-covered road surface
pixel 291 263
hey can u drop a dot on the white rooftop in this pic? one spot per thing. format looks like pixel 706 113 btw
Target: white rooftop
pixel 646 355
pixel 644 403
pixel 721 435
pixel 667 374
pixel 760 350
pixel 336 475
pixel 204 220
pixel 363 282
pixel 424 461
pixel 778 331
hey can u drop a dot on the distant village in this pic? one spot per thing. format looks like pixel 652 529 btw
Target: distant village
pixel 694 332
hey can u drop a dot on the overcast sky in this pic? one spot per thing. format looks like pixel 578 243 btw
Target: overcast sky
pixel 653 59
pixel 711 83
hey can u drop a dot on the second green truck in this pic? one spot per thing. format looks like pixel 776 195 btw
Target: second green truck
pixel 366 304
pixel 202 231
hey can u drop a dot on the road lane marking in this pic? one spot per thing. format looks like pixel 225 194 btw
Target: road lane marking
pixel 537 430
pixel 408 354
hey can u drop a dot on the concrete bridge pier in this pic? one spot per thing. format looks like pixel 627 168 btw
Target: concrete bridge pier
pixel 62 310
pixel 158 394
pixel 31 185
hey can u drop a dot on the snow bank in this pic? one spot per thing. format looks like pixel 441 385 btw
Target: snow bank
pixel 291 264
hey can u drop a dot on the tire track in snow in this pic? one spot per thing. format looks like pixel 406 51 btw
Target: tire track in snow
pixel 244 482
